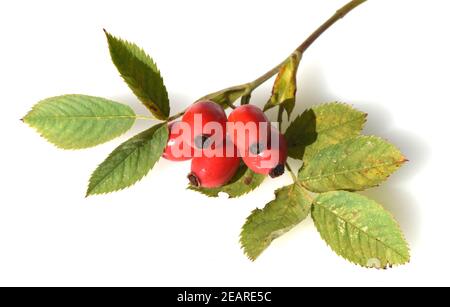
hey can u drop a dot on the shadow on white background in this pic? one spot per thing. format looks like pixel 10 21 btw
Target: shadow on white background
pixel 392 194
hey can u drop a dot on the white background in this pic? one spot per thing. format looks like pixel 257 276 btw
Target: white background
pixel 387 58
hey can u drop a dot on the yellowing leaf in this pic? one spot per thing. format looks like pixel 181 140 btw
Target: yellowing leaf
pixel 359 230
pixel 285 86
pixel 322 126
pixel 355 164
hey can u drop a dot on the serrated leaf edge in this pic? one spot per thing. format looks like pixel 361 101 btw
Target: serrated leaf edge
pixel 277 191
pixel 38 131
pixel 349 106
pixel 382 243
pixel 124 187
pixel 315 178
pixel 153 66
pixel 398 164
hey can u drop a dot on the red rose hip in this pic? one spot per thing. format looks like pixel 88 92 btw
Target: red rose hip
pixel 176 149
pixel 205 118
pixel 215 168
pixel 249 129
pixel 271 160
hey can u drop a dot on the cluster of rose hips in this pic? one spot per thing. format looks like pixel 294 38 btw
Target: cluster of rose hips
pixel 217 144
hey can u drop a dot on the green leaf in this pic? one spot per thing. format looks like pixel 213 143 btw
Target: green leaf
pixel 78 121
pixel 359 230
pixel 141 74
pixel 355 164
pixel 322 126
pixel 292 205
pixel 130 162
pixel 285 86
pixel 242 183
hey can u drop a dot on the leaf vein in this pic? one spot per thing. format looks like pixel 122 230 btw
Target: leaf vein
pixel 359 229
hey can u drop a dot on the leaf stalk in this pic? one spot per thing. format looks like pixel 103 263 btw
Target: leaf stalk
pixel 291 172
